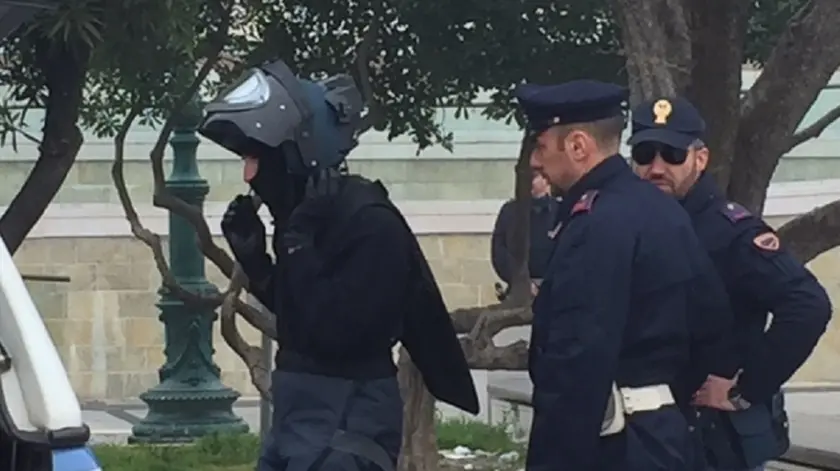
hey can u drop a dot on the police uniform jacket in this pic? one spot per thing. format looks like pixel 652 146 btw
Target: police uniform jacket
pixel 615 306
pixel 760 277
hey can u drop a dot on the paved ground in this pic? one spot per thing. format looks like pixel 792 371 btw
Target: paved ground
pixel 814 413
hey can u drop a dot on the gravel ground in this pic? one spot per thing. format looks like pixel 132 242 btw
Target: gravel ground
pixel 462 458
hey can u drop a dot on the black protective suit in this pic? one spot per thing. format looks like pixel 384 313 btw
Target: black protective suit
pixel 348 280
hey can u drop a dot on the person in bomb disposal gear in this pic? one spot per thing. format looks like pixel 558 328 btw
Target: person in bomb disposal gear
pixel 348 280
pixel 743 422
pixel 612 332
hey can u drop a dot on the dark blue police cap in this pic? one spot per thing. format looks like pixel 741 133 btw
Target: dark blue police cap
pixel 672 121
pixel 578 101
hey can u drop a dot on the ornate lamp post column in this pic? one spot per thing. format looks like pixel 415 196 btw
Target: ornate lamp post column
pixel 190 400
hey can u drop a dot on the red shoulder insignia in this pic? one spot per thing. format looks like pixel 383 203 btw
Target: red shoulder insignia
pixel 767 241
pixel 735 212
pixel 584 204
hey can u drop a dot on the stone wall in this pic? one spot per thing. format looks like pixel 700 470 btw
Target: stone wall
pixel 414 179
pixel 105 323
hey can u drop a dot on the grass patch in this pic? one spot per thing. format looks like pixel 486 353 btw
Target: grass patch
pixel 239 452
pixel 474 435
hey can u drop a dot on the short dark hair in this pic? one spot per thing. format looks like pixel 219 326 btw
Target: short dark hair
pixel 606 132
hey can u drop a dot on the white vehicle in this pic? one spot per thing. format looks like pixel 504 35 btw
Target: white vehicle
pixel 41 427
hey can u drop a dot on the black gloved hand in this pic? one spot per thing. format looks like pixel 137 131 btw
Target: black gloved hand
pixel 244 231
pixel 312 214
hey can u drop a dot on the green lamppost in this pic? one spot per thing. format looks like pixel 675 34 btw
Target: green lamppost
pixel 190 400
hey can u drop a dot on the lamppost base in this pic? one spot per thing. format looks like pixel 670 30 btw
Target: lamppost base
pixel 181 415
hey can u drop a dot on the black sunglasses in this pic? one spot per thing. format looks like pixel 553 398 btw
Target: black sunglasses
pixel 644 153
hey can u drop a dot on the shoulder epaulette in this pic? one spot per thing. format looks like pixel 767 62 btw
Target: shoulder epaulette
pixel 584 204
pixel 734 212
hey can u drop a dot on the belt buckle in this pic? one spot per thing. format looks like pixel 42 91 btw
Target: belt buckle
pixel 627 402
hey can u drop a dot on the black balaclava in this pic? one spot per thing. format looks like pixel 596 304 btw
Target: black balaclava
pixel 278 189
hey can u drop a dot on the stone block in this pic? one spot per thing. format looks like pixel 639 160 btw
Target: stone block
pixel 78 332
pixel 479 272
pixel 82 385
pixel 466 247
pixel 84 194
pixel 143 331
pixel 92 173
pixel 61 252
pixel 136 383
pixel 31 252
pixel 80 305
pixel 79 359
pixel 113 250
pixel 138 304
pixel 155 357
pixel 82 276
pixel 115 386
pixel 131 359
pixel 432 246
pixel 56 329
pixel 447 270
pixel 50 299
pixel 124 276
pixel 460 295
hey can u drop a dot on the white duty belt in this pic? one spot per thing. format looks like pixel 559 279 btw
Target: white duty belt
pixel 628 401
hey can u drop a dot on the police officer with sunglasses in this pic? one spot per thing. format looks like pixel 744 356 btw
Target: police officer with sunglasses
pixel 742 420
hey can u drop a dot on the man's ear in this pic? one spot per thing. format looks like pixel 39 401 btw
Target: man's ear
pixel 701 158
pixel 577 144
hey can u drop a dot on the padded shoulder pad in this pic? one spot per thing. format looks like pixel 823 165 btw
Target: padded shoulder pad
pixel 734 212
pixel 584 204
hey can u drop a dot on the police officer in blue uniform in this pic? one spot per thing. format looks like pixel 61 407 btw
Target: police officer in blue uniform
pixel 615 322
pixel 743 421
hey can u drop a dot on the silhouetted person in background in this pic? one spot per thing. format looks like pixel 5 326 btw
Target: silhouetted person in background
pixel 544 208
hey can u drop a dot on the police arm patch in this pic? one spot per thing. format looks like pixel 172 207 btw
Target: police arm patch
pixel 767 241
pixel 584 204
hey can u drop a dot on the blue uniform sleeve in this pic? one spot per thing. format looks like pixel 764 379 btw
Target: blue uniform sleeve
pixel 769 276
pixel 341 304
pixel 499 254
pixel 578 336
pixel 711 321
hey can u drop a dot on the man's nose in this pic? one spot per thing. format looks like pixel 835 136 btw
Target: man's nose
pixel 658 166
pixel 533 161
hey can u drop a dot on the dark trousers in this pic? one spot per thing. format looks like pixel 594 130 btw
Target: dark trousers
pixel 311 411
pixel 652 441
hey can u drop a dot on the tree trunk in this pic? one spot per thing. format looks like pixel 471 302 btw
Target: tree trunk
pixel 65 69
pixel 657 45
pixel 717 29
pixel 520 236
pixel 419 443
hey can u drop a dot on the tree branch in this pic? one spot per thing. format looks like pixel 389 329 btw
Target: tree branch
pixel 812 233
pixel 148 237
pixel 814 130
pixel 373 119
pixel 485 322
pixel 252 356
pixel 162 197
pixel 801 64
pixel 257 318
pixel 8 127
